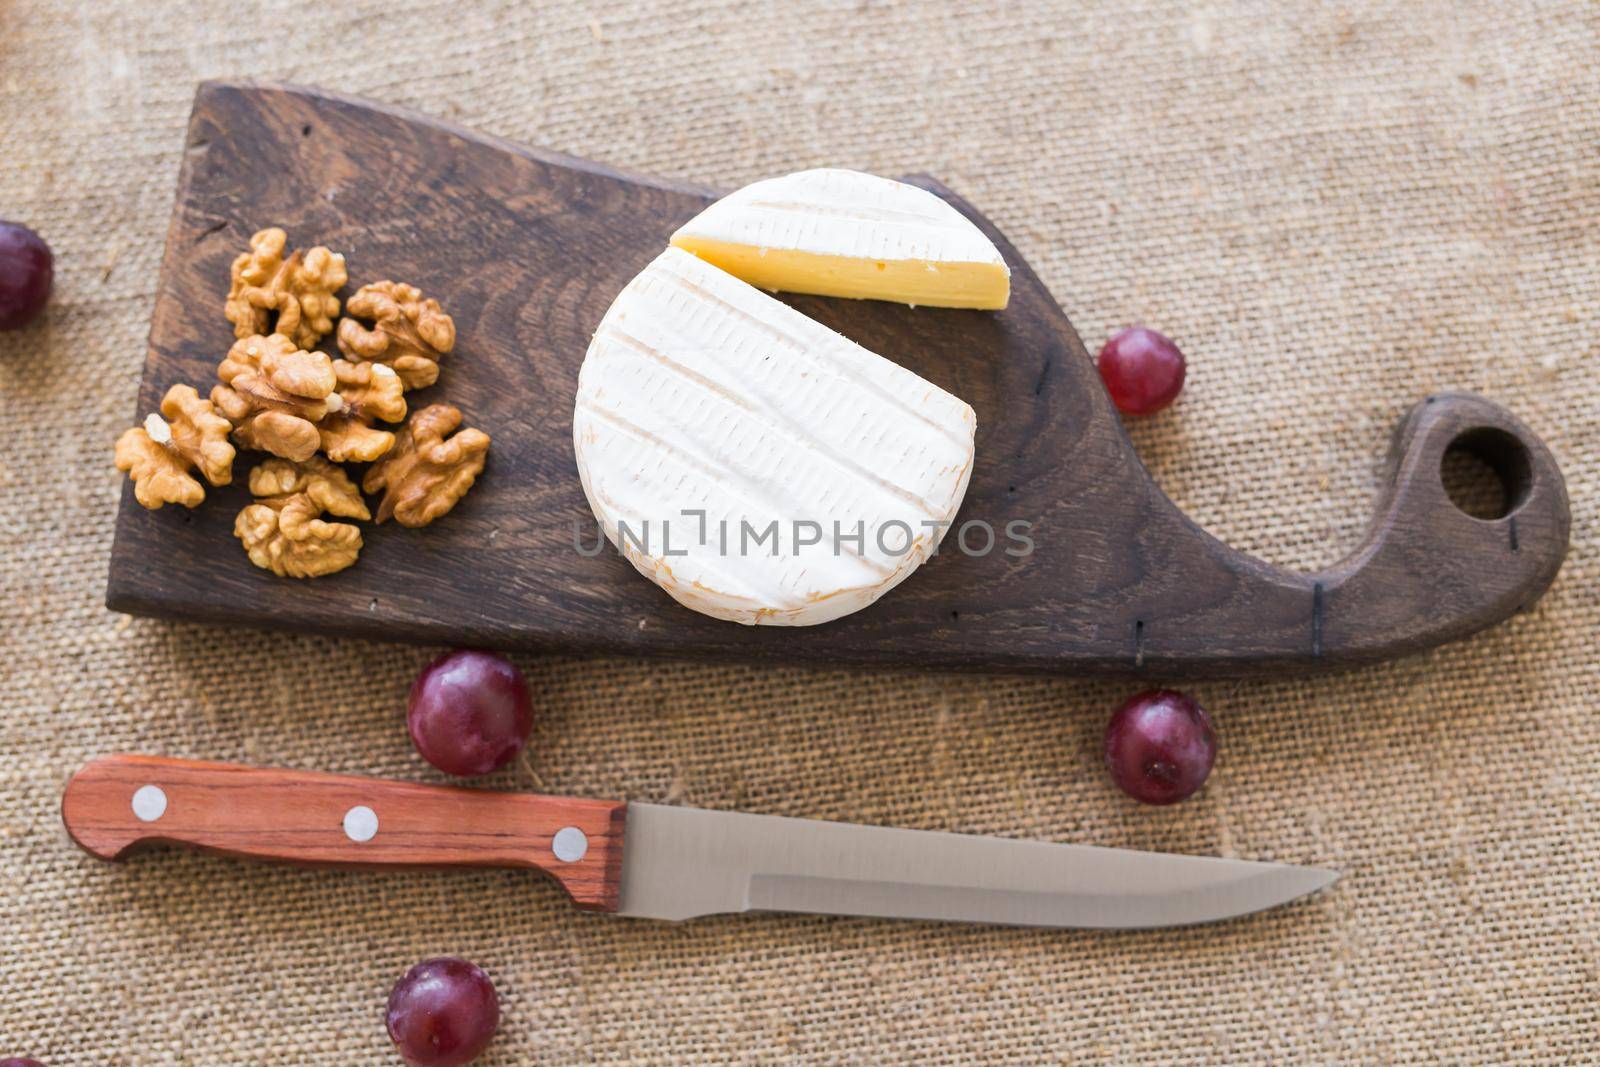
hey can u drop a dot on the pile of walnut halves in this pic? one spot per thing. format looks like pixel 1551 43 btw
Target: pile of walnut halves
pixel 280 396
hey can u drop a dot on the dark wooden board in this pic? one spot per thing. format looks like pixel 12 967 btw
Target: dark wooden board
pixel 527 249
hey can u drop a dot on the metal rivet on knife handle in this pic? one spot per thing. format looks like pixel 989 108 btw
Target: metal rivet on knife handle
pixel 149 803
pixel 361 823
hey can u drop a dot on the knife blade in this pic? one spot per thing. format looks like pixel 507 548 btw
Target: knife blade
pixel 681 863
pixel 660 862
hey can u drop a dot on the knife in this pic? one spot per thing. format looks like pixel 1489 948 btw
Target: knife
pixel 654 861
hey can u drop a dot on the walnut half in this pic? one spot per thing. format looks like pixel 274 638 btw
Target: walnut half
pixel 291 296
pixel 425 473
pixel 275 395
pixel 188 435
pixel 367 392
pixel 283 531
pixel 408 333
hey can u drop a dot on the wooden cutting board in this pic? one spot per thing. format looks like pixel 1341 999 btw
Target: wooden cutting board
pixel 526 249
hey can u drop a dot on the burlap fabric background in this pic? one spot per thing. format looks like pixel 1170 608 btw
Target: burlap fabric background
pixel 1334 210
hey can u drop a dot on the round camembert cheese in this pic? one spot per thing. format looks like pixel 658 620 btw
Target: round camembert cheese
pixel 844 233
pixel 755 464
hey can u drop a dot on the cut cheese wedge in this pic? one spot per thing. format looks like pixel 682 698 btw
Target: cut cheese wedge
pixel 844 233
pixel 755 464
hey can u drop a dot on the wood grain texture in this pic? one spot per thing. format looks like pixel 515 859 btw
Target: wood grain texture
pixel 527 250
pixel 292 816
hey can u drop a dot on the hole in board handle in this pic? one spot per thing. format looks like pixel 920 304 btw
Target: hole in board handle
pixel 1486 473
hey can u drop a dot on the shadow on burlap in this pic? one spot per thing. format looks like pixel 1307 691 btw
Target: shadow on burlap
pixel 1334 213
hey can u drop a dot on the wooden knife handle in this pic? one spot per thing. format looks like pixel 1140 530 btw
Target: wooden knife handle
pixel 117 803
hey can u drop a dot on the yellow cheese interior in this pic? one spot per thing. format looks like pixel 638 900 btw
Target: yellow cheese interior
pixel 905 281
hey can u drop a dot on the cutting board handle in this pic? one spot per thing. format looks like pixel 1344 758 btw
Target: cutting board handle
pixel 117 803
pixel 1421 533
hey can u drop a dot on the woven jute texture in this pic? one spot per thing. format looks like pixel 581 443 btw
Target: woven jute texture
pixel 1333 209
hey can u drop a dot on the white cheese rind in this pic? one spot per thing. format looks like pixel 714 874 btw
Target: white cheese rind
pixel 702 393
pixel 833 212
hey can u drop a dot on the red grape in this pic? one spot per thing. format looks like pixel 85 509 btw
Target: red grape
pixel 470 712
pixel 26 267
pixel 1143 371
pixel 1160 746
pixel 443 1013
